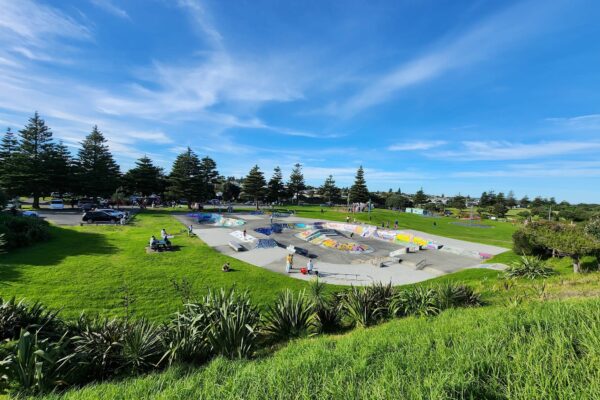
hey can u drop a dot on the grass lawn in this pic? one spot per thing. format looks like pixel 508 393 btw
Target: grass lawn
pixel 499 233
pixel 93 268
pixel 534 351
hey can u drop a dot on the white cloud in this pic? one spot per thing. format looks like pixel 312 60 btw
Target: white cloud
pixel 562 169
pixel 581 122
pixel 35 23
pixel 416 145
pixel 489 37
pixel 108 6
pixel 154 137
pixel 503 150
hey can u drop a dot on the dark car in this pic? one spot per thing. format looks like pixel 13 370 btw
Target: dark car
pixel 98 216
pixel 86 204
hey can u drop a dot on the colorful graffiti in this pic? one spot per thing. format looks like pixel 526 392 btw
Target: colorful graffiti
pixel 217 219
pixel 319 238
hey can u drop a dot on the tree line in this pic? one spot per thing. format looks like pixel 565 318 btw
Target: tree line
pixel 33 164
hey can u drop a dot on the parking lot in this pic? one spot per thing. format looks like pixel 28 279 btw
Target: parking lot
pixel 67 216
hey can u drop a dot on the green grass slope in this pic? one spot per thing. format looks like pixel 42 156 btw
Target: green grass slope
pixel 93 268
pixel 536 351
pixel 499 233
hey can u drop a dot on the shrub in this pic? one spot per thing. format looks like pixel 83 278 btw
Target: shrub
pixel 328 308
pixel 15 316
pixel 382 295
pixel 221 323
pixel 524 242
pixel 363 306
pixel 589 263
pixel 185 335
pixel 529 267
pixel 450 295
pixel 22 231
pixel 418 300
pixel 34 363
pixel 292 316
pixel 98 348
pixel 233 324
pixel 142 347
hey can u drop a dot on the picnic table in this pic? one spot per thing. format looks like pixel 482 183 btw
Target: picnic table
pixel 162 244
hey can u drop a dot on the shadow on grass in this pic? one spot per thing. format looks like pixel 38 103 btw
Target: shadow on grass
pixel 63 243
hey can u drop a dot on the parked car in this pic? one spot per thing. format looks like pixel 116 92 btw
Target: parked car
pixel 57 204
pixel 86 204
pixel 98 216
pixel 116 213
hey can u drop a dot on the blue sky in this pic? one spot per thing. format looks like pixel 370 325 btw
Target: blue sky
pixel 452 96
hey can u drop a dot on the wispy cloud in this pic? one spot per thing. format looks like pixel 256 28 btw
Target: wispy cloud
pixel 581 122
pixel 503 150
pixel 110 7
pixel 416 145
pixel 562 169
pixel 489 37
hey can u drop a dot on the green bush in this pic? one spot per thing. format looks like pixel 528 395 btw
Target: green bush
pixel 22 231
pixel 220 323
pixel 529 267
pixel 417 300
pixel 98 348
pixel 34 363
pixel 363 306
pixel 233 324
pixel 589 263
pixel 524 243
pixel 328 308
pixel 184 336
pixel 15 316
pixel 49 353
pixel 451 295
pixel 292 316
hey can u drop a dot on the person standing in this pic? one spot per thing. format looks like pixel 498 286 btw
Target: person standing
pixel 309 266
pixel 288 263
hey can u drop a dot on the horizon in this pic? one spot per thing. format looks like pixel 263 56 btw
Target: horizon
pixel 458 97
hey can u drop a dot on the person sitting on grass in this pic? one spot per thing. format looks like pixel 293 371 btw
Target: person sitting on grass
pixel 226 267
pixel 153 243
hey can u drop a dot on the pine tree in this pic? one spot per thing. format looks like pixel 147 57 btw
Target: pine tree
pixel 184 180
pixel 359 192
pixel 145 178
pixel 329 190
pixel 231 189
pixel 209 177
pixel 420 198
pixel 60 168
pixel 275 187
pixel 254 184
pixel 98 173
pixel 296 183
pixel 32 175
pixel 8 168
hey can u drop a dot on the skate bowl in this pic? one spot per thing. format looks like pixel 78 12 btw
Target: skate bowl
pixel 217 219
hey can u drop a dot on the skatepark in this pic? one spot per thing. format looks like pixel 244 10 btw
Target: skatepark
pixel 342 253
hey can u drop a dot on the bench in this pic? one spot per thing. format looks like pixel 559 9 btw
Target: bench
pixel 236 246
